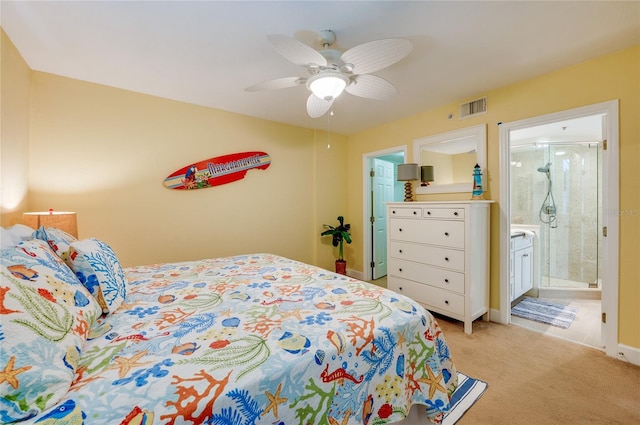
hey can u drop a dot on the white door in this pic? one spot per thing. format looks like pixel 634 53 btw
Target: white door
pixel 382 192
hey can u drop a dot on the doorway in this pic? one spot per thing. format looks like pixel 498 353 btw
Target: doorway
pixel 379 187
pixel 558 179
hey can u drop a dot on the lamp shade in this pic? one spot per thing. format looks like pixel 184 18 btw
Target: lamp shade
pixel 407 172
pixel 327 86
pixel 426 173
pixel 63 220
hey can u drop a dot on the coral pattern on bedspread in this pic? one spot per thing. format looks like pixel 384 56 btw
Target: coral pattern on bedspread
pixel 259 339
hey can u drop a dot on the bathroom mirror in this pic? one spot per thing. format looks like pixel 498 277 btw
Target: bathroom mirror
pixel 453 155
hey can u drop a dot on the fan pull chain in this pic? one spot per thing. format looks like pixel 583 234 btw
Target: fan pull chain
pixel 329 128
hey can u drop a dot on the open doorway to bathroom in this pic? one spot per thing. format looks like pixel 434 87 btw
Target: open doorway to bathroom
pixel 560 177
pixel 556 193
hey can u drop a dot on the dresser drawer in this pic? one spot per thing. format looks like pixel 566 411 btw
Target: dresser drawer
pixel 449 213
pixel 441 300
pixel 435 256
pixel 441 278
pixel 433 232
pixel 405 212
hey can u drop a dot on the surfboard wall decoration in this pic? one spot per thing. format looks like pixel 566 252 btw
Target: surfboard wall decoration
pixel 217 171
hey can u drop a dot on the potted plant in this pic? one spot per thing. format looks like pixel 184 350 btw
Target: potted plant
pixel 339 234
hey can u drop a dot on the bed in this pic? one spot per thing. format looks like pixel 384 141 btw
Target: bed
pixel 249 339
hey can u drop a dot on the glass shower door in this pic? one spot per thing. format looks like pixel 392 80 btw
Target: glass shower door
pixel 556 187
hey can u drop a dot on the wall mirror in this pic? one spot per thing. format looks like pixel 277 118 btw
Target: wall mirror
pixel 452 155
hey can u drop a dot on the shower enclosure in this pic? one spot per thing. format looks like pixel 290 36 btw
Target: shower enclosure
pixel 556 187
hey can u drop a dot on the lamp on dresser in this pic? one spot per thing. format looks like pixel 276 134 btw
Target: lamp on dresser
pixel 63 220
pixel 408 173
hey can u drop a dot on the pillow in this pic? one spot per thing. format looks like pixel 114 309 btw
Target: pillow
pixel 46 318
pixel 8 239
pixel 12 236
pixel 59 240
pixel 21 231
pixel 97 267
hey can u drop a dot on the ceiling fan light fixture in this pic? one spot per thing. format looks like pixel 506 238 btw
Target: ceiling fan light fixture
pixel 327 86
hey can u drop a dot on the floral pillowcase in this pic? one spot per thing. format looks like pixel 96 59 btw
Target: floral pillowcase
pixel 58 240
pixel 97 267
pixel 47 315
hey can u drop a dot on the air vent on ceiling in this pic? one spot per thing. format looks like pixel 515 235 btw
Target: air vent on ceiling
pixel 475 107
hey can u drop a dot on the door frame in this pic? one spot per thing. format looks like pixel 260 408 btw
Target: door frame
pixel 367 236
pixel 610 205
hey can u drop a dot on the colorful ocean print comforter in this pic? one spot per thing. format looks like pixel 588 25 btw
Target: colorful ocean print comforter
pixel 258 339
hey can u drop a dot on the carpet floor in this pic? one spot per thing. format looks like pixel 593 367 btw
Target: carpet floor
pixel 538 379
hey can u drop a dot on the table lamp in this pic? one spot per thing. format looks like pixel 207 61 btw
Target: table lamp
pixel 63 220
pixel 407 173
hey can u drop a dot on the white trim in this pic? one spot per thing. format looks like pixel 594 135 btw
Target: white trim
pixel 629 354
pixel 366 205
pixel 610 207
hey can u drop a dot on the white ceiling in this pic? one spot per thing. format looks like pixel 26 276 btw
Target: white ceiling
pixel 207 52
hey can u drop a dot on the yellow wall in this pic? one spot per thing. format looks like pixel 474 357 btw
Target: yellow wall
pixel 15 84
pixel 615 76
pixel 104 153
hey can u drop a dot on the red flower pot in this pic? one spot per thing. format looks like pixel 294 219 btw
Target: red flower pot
pixel 341 267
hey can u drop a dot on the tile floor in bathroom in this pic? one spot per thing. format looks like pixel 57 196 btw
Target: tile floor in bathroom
pixel 585 329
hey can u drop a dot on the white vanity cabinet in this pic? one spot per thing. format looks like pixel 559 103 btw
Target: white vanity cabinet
pixel 521 265
pixel 438 254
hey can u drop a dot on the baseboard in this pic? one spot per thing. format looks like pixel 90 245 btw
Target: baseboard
pixel 629 354
pixel 355 274
pixel 494 315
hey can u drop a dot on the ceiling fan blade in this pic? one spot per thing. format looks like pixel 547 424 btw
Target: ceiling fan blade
pixel 376 55
pixel 295 51
pixel 371 87
pixel 279 83
pixel 317 107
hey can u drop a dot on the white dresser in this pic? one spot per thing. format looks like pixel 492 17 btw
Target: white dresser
pixel 438 254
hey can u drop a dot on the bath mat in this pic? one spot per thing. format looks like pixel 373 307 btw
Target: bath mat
pixel 545 312
pixel 468 392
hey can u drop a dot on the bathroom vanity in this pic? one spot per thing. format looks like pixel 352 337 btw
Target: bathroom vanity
pixel 521 263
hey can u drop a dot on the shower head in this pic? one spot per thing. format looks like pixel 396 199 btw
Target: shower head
pixel 544 169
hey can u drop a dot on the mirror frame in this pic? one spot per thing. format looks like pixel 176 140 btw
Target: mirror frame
pixel 479 132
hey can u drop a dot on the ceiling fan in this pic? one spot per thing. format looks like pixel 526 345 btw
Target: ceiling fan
pixel 332 72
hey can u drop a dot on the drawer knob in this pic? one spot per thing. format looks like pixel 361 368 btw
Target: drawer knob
pixel 455 213
pixel 400 270
pixel 393 211
pixel 446 302
pixel 446 281
pixel 414 213
pixel 446 233
pixel 428 212
pixel 400 251
pixel 400 229
pixel 446 258
pixel 400 288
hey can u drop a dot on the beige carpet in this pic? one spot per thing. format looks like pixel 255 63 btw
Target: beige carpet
pixel 542 380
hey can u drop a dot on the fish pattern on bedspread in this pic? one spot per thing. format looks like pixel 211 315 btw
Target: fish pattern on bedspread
pixel 259 339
